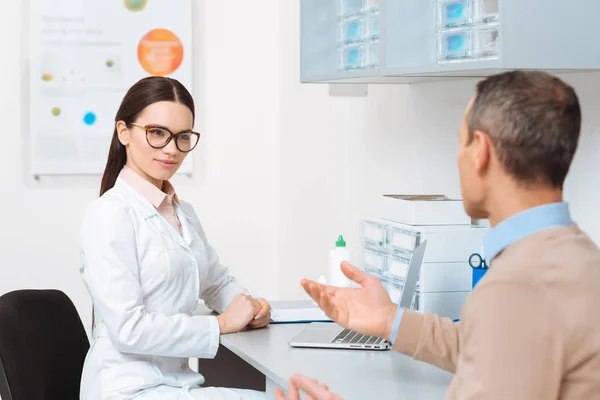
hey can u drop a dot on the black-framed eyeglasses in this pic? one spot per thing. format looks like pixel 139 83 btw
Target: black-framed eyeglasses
pixel 159 136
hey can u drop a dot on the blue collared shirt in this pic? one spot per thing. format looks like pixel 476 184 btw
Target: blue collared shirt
pixel 523 224
pixel 511 230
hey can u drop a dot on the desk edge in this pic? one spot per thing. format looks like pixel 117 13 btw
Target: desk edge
pixel 282 382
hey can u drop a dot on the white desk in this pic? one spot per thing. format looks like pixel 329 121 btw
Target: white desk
pixel 353 374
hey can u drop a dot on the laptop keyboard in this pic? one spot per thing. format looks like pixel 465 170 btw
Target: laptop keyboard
pixel 351 337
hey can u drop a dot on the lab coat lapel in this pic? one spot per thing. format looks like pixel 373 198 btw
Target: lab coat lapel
pixel 186 226
pixel 168 230
pixel 149 211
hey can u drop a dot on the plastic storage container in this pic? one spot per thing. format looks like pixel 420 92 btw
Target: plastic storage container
pixel 486 11
pixel 486 41
pixel 402 240
pixel 461 13
pixel 397 267
pixel 371 5
pixel 372 32
pixel 456 45
pixel 467 30
pixel 445 243
pixel 395 276
pixel 455 13
pixel 348 8
pixel 373 55
pixel 374 233
pixel 445 272
pixel 358 34
pixel 352 30
pixel 352 57
pixel 375 262
pixel 394 290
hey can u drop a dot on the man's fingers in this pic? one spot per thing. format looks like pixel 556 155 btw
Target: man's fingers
pixel 314 289
pixel 310 387
pixel 331 396
pixel 308 286
pixel 293 393
pixel 279 395
pixel 330 308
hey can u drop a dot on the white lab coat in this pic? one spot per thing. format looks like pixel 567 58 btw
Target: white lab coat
pixel 145 281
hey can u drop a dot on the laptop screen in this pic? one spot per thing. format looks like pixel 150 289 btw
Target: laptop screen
pixel 412 276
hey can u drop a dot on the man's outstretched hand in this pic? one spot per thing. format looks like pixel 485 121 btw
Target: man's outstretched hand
pixel 366 309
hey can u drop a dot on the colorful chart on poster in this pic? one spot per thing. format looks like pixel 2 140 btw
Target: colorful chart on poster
pixel 160 52
pixel 84 56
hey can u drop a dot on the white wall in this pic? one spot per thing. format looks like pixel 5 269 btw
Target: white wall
pixel 38 231
pixel 282 169
pixel 238 92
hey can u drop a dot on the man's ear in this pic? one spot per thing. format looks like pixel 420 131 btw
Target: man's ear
pixel 123 133
pixel 482 146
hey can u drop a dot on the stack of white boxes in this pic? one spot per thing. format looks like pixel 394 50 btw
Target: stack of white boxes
pixel 405 221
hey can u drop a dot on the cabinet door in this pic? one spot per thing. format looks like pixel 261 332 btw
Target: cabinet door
pixel 424 39
pixel 411 37
pixel 318 39
pixel 337 45
pixel 550 35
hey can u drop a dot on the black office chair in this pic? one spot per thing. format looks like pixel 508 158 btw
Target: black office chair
pixel 43 345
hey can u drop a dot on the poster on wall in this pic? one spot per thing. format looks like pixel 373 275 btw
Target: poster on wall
pixel 84 55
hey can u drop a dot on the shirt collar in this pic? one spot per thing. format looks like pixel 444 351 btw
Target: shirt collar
pixel 146 189
pixel 523 224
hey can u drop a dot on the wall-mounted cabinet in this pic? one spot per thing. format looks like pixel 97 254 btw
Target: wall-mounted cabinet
pixel 411 40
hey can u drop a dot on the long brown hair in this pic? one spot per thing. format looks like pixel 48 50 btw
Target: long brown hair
pixel 143 93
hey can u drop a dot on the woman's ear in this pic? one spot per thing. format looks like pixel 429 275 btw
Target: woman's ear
pixel 122 133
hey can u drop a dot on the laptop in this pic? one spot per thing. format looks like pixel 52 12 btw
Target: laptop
pixel 333 336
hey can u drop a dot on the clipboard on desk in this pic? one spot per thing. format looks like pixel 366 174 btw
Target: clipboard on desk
pixel 296 312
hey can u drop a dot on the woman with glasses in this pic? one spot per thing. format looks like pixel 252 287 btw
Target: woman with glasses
pixel 147 262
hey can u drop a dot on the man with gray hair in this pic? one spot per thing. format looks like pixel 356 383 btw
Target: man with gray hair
pixel 530 329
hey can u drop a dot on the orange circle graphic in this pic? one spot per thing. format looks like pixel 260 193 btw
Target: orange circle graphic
pixel 160 52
